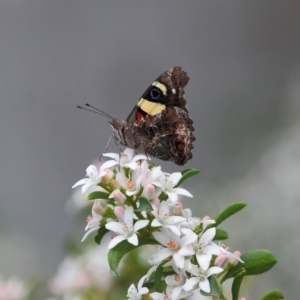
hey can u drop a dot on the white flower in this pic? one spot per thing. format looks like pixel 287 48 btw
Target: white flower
pixel 93 222
pixel 136 294
pixel 204 248
pixel 173 244
pixel 131 185
pixel 200 277
pixel 175 283
pixel 193 222
pixel 149 180
pixel 127 158
pixel 94 177
pixel 163 218
pixel 126 231
pixel 169 184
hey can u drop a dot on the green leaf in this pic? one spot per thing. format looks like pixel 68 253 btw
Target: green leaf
pixel 144 205
pixel 215 288
pixel 186 174
pixel 236 285
pixel 116 254
pixel 100 234
pixel 98 195
pixel 158 277
pixel 255 262
pixel 221 234
pixel 163 197
pixel 229 211
pixel 272 295
pixel 109 212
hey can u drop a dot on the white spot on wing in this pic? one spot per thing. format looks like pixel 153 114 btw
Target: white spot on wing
pixel 173 91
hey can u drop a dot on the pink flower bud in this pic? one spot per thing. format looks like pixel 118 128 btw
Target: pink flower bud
pixel 98 208
pixel 177 210
pixel 234 260
pixel 155 202
pixel 220 260
pixel 243 298
pixel 119 212
pixel 149 191
pixel 108 176
pixel 118 196
pixel 115 184
pixel 206 218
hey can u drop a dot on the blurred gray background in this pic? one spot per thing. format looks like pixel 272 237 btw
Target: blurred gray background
pixel 243 60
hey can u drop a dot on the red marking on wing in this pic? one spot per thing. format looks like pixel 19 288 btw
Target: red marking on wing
pixel 139 115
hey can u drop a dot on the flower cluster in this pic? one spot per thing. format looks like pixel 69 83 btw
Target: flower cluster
pixel 79 276
pixel 13 289
pixel 138 204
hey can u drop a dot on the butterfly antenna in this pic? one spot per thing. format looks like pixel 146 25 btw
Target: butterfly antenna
pixel 99 110
pixel 96 111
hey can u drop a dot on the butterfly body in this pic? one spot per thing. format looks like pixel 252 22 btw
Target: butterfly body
pixel 159 124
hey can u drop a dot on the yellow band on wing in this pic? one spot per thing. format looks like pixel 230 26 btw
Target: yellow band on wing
pixel 149 107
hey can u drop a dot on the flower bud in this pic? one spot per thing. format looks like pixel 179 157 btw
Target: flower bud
pixel 118 196
pixel 119 212
pixel 220 260
pixel 108 176
pixel 115 184
pixel 98 208
pixel 233 260
pixel 243 298
pixel 149 191
pixel 155 202
pixel 206 218
pixel 177 210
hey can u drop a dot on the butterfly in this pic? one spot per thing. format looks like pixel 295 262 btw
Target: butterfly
pixel 159 125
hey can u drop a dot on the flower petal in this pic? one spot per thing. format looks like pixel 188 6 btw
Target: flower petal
pixel 115 227
pixel 155 223
pixel 190 283
pixel 179 260
pixel 213 270
pixel 87 185
pixel 161 255
pixel 108 164
pixel 88 232
pixel 174 229
pixel 174 178
pixel 183 192
pixel 128 216
pixel 204 260
pixel 204 285
pixel 140 224
pixel 208 236
pixel 172 196
pixel 80 182
pixel 114 156
pixel 132 165
pixel 133 240
pixel 116 240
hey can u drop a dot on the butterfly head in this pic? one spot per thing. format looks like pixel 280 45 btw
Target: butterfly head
pixel 118 127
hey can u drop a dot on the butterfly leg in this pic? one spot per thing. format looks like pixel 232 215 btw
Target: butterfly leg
pixel 106 147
